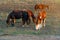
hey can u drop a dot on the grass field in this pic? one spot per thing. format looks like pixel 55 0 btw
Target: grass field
pixel 52 21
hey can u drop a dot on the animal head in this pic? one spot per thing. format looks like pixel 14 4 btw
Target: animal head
pixel 8 21
pixel 38 24
pixel 41 6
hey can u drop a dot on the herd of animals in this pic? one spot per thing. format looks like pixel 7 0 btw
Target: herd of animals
pixel 26 15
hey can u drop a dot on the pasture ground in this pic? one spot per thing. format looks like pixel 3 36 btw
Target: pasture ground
pixel 29 37
pixel 52 28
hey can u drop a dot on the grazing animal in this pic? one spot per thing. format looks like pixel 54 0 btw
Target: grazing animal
pixel 41 18
pixel 41 6
pixel 23 14
pixel 31 15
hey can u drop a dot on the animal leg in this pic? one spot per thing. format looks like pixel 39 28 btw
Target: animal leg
pixel 28 21
pixel 23 22
pixel 44 22
pixel 12 22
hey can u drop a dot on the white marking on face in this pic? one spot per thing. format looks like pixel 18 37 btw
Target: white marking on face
pixel 39 26
pixel 40 17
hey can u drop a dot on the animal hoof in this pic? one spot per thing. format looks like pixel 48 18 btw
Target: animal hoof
pixel 44 26
pixel 12 24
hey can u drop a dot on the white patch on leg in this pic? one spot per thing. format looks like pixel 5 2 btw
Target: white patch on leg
pixel 39 26
pixel 44 22
pixel 40 17
pixel 44 25
pixel 22 25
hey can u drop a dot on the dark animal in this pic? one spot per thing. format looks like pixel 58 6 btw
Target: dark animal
pixel 23 14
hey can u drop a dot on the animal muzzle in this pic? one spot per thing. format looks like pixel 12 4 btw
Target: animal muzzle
pixel 38 26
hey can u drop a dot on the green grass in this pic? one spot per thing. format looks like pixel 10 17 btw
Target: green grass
pixel 52 27
pixel 52 21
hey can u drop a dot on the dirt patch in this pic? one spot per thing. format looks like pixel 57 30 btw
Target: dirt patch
pixel 29 37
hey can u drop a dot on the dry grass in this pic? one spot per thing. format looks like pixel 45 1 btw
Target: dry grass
pixel 52 22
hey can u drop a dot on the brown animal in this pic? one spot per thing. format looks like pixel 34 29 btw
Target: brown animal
pixel 41 6
pixel 24 14
pixel 41 18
